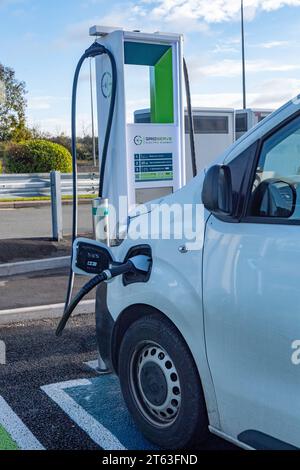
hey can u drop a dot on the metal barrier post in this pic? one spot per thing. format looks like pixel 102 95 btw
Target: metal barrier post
pixel 2 353
pixel 56 206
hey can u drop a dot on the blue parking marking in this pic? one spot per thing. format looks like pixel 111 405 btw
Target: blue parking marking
pixel 102 399
pixel 96 405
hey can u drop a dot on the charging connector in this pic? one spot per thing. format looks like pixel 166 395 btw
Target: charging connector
pixel 137 264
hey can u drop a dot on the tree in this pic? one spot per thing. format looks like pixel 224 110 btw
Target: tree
pixel 12 106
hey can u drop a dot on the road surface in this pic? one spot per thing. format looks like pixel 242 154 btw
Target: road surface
pixel 35 289
pixel 58 398
pixel 36 222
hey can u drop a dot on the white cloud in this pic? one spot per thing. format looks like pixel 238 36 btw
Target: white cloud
pixel 270 94
pixel 39 103
pixel 273 93
pixel 55 125
pixel 189 16
pixel 228 46
pixel 210 11
pixel 174 15
pixel 4 3
pixel 274 44
pixel 232 68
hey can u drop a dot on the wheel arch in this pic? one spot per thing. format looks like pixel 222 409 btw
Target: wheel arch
pixel 126 318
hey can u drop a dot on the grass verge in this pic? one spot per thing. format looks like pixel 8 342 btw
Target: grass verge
pixel 43 198
pixel 6 442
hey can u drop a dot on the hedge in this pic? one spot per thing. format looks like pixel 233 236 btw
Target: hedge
pixel 38 156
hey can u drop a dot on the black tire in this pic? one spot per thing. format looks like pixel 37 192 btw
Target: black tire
pixel 144 383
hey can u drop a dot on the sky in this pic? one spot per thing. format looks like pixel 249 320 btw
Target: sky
pixel 43 40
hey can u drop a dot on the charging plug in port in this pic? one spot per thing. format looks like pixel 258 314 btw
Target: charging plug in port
pixel 139 276
pixel 92 259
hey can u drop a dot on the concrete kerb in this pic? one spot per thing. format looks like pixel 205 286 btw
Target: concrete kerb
pixel 43 312
pixel 36 204
pixel 24 267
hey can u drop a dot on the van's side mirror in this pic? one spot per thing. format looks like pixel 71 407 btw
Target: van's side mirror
pixel 274 198
pixel 217 195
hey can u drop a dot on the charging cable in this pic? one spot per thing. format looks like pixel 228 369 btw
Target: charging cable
pixel 140 263
pixel 190 119
pixel 94 50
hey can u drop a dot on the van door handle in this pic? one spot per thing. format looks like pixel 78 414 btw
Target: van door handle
pixel 183 249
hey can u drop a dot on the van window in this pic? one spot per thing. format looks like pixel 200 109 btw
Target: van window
pixel 241 122
pixel 142 118
pixel 261 117
pixel 209 124
pixel 276 188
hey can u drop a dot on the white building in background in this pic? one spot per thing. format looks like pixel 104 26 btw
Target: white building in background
pixel 246 119
pixel 215 130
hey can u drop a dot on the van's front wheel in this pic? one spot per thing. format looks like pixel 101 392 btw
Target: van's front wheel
pixel 161 385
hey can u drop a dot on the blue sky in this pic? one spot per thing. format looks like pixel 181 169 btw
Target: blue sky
pixel 43 39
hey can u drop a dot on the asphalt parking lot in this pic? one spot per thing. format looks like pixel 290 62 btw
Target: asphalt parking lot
pixel 52 398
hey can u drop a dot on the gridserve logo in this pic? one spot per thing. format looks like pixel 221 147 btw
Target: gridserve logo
pixel 139 140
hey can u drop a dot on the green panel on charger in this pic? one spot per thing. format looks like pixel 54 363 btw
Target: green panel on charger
pixel 160 60
pixel 162 90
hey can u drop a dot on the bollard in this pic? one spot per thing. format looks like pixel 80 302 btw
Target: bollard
pixel 100 220
pixel 56 206
pixel 2 353
pixel 100 207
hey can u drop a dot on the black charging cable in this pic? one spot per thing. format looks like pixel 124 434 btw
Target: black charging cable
pixel 109 121
pixel 190 119
pixel 94 50
pixel 140 263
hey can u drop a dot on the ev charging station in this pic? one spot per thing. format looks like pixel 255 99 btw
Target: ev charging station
pixel 138 160
pixel 144 159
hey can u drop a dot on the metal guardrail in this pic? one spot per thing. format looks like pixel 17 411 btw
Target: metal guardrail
pixel 38 185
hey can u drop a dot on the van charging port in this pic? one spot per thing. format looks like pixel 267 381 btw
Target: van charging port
pixel 138 276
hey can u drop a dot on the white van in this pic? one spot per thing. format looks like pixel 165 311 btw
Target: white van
pixel 208 341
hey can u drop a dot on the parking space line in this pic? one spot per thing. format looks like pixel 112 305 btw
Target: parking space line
pixel 92 364
pixel 96 431
pixel 17 430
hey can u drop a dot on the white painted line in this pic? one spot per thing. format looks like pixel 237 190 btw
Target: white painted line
pixel 42 312
pixel 96 431
pixel 24 267
pixel 17 429
pixel 93 364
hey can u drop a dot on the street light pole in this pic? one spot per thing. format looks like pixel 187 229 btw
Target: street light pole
pixel 243 56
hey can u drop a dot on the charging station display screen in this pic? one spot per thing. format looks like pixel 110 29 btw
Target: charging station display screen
pixel 153 167
pixel 153 150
